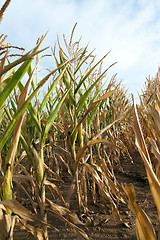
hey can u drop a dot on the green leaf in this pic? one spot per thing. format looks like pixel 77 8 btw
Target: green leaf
pixel 32 112
pixel 10 127
pixel 86 94
pixel 80 63
pixel 17 76
pixel 24 58
pixel 91 107
pixel 52 118
pixel 50 90
pixel 87 74
pixel 13 82
pixel 32 83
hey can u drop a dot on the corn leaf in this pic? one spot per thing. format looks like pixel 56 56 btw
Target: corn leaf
pixel 7 193
pixel 18 209
pixel 121 117
pixel 4 137
pixel 26 58
pixel 52 117
pixel 152 178
pixel 86 94
pixel 143 223
pixel 32 111
pixel 91 107
pixel 50 90
pixel 87 74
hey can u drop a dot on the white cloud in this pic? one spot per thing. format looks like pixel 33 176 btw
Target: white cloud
pixel 129 28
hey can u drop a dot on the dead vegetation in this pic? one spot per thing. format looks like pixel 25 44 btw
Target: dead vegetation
pixel 79 130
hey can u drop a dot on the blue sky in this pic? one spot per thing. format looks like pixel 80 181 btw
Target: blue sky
pixel 129 28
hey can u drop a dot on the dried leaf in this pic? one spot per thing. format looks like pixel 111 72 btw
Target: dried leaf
pixel 72 217
pixel 65 164
pixel 155 149
pixel 20 177
pixel 6 224
pixel 121 117
pixel 18 209
pixel 61 213
pixel 152 178
pixel 55 189
pixel 105 141
pixel 34 231
pixel 144 226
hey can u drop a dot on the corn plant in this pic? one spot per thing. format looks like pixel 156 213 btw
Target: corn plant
pixel 35 156
pixel 147 141
pixel 76 125
pixel 7 86
pixel 8 82
pixel 86 154
pixel 10 79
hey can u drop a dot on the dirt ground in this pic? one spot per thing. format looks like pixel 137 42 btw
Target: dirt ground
pixel 107 226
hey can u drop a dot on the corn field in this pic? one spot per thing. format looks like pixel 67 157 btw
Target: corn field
pixel 65 136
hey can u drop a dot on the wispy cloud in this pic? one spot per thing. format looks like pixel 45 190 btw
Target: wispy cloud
pixel 129 28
